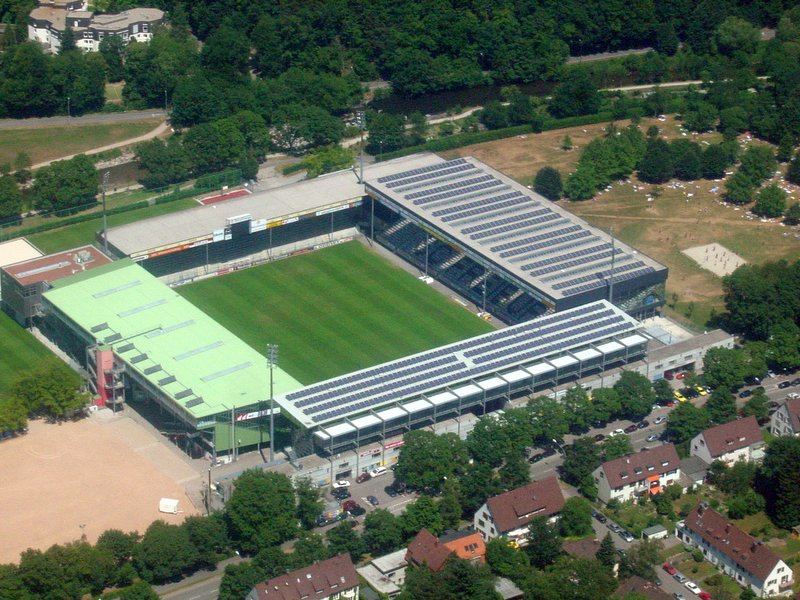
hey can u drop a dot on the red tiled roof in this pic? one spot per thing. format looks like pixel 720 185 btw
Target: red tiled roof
pixel 641 465
pixel 320 580
pixel 732 436
pixel 425 549
pixel 793 408
pixel 469 546
pixel 518 507
pixel 742 548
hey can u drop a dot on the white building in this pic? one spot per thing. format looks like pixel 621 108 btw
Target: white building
pixel 731 442
pixel 747 560
pixel 639 474
pixel 786 420
pixel 509 514
pixel 51 18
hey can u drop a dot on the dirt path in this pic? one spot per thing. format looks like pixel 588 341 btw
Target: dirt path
pixel 90 119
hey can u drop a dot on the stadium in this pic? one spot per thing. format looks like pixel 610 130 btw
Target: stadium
pixel 157 328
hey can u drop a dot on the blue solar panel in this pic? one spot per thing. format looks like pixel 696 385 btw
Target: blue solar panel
pixel 534 238
pixel 436 167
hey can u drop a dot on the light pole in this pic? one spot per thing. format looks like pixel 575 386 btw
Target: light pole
pixel 272 361
pixel 165 100
pixel 105 221
pixel 68 111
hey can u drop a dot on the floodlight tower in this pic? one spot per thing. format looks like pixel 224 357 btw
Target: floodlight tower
pixel 272 362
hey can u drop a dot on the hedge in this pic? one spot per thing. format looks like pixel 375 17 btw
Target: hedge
pixel 294 168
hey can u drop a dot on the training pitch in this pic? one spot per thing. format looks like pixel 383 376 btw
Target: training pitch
pixel 333 311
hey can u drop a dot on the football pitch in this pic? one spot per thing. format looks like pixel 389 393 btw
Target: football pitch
pixel 333 311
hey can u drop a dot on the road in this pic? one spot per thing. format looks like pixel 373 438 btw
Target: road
pixel 200 586
pixel 90 119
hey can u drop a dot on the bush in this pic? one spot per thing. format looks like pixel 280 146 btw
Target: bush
pixel 739 188
pixel 548 183
pixel 770 202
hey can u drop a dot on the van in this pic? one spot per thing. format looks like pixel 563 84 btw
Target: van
pixel 377 471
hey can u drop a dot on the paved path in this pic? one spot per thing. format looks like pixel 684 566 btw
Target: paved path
pixel 90 119
pixel 203 585
pixel 162 128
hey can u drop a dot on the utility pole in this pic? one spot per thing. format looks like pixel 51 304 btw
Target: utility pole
pixel 105 220
pixel 69 115
pixel 272 361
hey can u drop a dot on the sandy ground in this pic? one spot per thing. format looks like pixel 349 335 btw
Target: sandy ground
pixel 715 258
pixel 99 473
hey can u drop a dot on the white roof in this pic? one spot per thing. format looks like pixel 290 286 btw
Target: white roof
pixel 587 354
pixel 14 251
pixel 366 421
pixel 610 347
pixel 633 340
pixel 391 413
pixel 417 405
pixel 340 429
pixel 540 368
pixel 442 398
pixel 514 376
pixel 491 383
pixel 467 390
pixel 563 361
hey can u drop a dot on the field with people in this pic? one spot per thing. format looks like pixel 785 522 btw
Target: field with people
pixel 659 220
pixel 333 311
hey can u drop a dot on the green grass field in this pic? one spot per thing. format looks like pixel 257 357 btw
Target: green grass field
pixel 20 352
pixel 48 143
pixel 333 311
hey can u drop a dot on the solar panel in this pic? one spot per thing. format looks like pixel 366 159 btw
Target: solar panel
pixel 428 169
pixel 194 402
pixel 534 238
pixel 466 192
pixel 485 208
pixel 184 394
pixel 461 207
pixel 167 380
pixel 449 187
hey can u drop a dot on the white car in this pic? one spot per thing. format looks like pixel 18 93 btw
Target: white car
pixel 692 587
pixel 341 483
pixel 377 471
pixel 659 420
pixel 616 432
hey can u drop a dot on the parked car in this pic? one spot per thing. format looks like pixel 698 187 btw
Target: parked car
pixel 745 394
pixel 614 527
pixel 784 384
pixel 701 390
pixel 678 396
pixel 692 587
pixel 678 596
pixel 690 392
pixel 669 568
pixel 322 521
pixel 643 424
pixel 630 429
pixel 341 483
pixel 616 432
pixel 363 477
pixel 353 507
pixel 652 437
pixel 704 596
pixel 599 516
pixel 349 505
pixel 391 491
pixel 796 381
pixel 680 578
pixel 752 380
pixel 681 375
pixel 627 536
pixel 378 471
pixel 341 493
pixel 659 420
pixel 373 500
pixel 599 437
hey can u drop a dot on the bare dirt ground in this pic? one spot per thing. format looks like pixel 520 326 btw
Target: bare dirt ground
pixel 98 473
pixel 660 222
pixel 715 258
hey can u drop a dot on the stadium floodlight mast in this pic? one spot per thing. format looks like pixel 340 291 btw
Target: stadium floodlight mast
pixel 272 362
pixel 105 220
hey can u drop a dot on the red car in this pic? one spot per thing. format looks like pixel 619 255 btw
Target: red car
pixel 363 477
pixel 704 596
pixel 669 568
pixel 680 375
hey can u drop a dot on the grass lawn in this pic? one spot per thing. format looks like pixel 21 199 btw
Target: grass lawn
pixel 20 352
pixel 333 311
pixel 113 92
pixel 47 143
pixel 82 233
pixel 662 228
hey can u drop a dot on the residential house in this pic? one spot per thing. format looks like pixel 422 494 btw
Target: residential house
pixel 332 579
pixel 786 420
pixel 509 514
pixel 730 442
pixel 747 560
pixel 639 474
pixel 694 471
pixel 386 574
pixel 426 549
pixel 51 18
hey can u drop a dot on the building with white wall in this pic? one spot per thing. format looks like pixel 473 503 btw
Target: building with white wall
pixel 636 475
pixel 730 442
pixel 786 420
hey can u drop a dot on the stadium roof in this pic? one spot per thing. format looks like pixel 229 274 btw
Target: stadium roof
pixel 494 217
pixel 277 204
pixel 201 367
pixel 539 346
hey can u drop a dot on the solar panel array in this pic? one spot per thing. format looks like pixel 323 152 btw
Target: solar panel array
pixel 547 248
pixel 451 365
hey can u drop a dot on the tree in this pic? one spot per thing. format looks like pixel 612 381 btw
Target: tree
pixel 700 117
pixel 195 100
pixel 582 184
pixel 783 348
pixel 739 188
pixel 386 132
pixel 686 158
pixel 757 405
pixel 51 390
pixel 792 214
pixel 544 543
pixel 309 502
pixel 506 560
pixel 426 459
pixel 724 367
pixel 112 49
pixel 309 548
pixel 656 165
pixel 667 41
pixel 606 404
pixel 297 126
pixel 226 51
pixel 617 446
pixel 382 532
pixel 758 163
pixel 793 172
pixel 119 545
pixel 162 162
pixel 421 514
pixel 477 484
pixel 576 517
pixel 13 414
pixel 450 503
pixel 66 184
pixel 713 162
pixel 515 472
pixel 10 198
pixel 522 110
pixel 64 571
pixel 214 146
pixel 494 115
pixel 344 538
pixel 575 95
pixel 580 459
pixel 490 441
pixel 607 553
pixel 165 553
pixel 663 392
pixel 640 558
pixel 67 41
pixel 27 89
pixel 721 406
pixel 261 510
pixel 778 481
pixel 238 580
pixel 548 183
pixel 550 419
pixel 785 148
pixel 209 536
pixel 770 201
pixel 635 394
pixel 685 422
pixel 418 132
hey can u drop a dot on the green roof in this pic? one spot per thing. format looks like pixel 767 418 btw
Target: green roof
pixel 170 342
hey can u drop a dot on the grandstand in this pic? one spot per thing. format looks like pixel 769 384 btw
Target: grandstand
pixel 500 244
pixel 138 339
pixel 381 401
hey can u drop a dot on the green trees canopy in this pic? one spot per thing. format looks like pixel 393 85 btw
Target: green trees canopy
pixel 426 459
pixel 770 201
pixel 309 502
pixel 576 517
pixel 548 183
pixel 724 367
pixel 685 422
pixel 779 479
pixel 635 393
pixel 10 197
pixel 164 553
pixel 656 165
pixel 66 184
pixel 382 532
pixel 344 538
pixel 575 95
